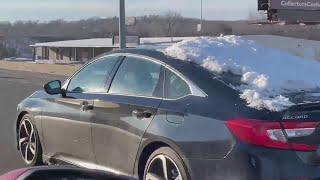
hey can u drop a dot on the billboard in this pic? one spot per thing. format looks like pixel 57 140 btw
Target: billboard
pixel 298 16
pixel 310 5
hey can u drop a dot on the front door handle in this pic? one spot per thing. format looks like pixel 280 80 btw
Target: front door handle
pixel 86 106
pixel 141 114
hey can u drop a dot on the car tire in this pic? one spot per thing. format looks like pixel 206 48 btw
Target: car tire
pixel 155 168
pixel 28 142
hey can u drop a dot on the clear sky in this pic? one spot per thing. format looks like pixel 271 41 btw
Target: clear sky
pixel 44 10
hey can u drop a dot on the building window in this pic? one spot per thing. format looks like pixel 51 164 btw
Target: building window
pixel 57 54
pixel 61 54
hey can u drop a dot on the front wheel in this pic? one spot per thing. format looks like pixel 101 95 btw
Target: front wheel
pixel 29 143
pixel 165 164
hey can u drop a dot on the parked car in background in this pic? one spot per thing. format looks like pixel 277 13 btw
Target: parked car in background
pixel 10 59
pixel 142 114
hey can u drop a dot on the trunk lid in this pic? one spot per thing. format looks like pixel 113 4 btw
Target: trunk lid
pixel 300 125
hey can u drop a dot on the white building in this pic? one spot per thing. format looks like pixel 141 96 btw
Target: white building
pixel 85 49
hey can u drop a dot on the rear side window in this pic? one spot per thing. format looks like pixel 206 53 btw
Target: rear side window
pixel 138 77
pixel 176 87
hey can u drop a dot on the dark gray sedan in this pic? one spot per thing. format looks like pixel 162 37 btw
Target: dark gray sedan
pixel 141 114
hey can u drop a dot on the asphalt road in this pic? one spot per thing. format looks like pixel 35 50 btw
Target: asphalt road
pixel 14 87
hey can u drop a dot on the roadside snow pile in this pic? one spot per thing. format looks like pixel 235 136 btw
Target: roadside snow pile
pixel 267 74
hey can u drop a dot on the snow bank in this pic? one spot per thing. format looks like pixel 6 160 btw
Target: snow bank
pixel 267 74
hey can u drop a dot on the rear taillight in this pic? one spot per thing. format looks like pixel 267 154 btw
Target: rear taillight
pixel 271 134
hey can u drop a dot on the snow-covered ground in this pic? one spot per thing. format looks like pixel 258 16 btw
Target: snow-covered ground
pixel 267 74
pixel 47 61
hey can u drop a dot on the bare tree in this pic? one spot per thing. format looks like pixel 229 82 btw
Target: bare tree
pixel 20 34
pixel 171 21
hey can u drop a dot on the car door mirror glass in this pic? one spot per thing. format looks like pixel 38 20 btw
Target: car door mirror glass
pixel 53 87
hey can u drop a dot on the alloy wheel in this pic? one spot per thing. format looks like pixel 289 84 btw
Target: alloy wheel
pixel 27 141
pixel 162 167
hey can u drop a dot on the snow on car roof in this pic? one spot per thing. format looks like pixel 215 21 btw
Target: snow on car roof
pixel 267 75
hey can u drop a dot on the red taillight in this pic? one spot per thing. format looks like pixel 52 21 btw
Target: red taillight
pixel 271 134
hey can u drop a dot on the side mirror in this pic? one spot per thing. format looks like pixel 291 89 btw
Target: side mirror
pixel 53 87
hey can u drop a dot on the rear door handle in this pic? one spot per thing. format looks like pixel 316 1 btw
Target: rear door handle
pixel 86 106
pixel 140 114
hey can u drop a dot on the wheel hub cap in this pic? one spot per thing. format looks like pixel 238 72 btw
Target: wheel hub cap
pixel 27 141
pixel 163 168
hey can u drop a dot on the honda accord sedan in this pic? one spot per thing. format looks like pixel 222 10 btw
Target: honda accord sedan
pixel 142 114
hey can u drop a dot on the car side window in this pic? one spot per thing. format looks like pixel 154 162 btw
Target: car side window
pixel 138 77
pixel 93 77
pixel 176 87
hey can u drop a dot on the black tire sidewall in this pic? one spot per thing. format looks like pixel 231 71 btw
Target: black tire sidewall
pixel 38 155
pixel 171 154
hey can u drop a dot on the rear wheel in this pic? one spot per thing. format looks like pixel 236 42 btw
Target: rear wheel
pixel 165 164
pixel 28 142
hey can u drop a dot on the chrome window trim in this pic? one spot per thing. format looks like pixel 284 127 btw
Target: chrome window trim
pixel 195 90
pixel 138 96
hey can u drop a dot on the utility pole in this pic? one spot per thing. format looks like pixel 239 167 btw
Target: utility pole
pixel 122 25
pixel 201 19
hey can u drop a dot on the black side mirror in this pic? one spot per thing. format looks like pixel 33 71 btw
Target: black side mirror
pixel 53 87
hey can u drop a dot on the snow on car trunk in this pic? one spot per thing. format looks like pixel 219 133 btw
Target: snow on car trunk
pixel 267 74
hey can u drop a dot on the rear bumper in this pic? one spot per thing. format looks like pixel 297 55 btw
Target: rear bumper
pixel 249 162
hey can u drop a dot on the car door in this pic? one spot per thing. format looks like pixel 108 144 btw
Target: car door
pixel 67 131
pixel 122 116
